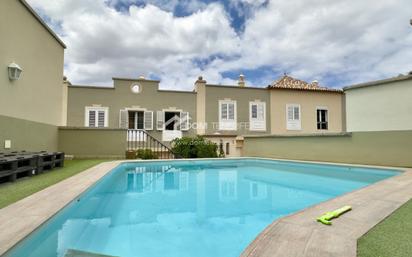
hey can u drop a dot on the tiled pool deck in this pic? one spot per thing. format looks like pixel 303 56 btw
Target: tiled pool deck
pixel 295 235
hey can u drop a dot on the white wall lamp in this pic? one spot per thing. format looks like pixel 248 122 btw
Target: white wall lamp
pixel 14 71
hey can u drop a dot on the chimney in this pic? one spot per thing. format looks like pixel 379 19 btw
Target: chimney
pixel 200 82
pixel 241 81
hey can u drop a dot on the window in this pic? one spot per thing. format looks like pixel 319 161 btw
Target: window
pixel 257 117
pixel 96 117
pixel 227 148
pixel 293 117
pixel 227 115
pixel 173 120
pixel 136 119
pixel 227 111
pixel 322 118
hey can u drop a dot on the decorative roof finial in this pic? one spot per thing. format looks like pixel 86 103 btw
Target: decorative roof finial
pixel 241 81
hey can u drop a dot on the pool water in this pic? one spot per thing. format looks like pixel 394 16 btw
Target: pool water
pixel 209 208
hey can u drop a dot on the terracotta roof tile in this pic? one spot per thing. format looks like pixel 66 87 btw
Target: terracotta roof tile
pixel 287 82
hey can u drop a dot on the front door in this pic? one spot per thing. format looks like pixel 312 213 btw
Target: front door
pixel 171 126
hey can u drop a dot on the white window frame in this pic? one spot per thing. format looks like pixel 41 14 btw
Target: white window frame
pixel 96 109
pixel 228 124
pixel 294 124
pixel 256 124
pixel 134 109
pixel 325 108
pixel 135 117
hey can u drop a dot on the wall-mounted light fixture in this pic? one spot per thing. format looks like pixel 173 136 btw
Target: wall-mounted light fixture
pixel 14 71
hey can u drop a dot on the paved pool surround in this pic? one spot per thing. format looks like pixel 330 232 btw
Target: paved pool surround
pixel 297 234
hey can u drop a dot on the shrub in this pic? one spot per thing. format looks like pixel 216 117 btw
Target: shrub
pixel 146 154
pixel 194 147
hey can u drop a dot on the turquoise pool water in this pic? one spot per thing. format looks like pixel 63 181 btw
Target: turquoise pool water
pixel 189 208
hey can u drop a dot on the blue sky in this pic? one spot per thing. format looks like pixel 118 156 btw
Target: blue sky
pixel 238 11
pixel 338 43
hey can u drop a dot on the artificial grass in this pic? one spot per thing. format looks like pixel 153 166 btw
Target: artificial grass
pixel 390 238
pixel 12 192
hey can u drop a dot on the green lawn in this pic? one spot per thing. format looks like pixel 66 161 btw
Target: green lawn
pixel 390 238
pixel 12 192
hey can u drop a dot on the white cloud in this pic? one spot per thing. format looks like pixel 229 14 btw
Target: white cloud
pixel 352 41
pixel 103 42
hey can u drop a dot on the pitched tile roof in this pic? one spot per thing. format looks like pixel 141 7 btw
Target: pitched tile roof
pixel 287 82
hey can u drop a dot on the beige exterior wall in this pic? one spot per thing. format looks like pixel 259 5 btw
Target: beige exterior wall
pixel 381 107
pixel 38 94
pixel 308 101
pixel 121 96
pixel 203 107
pixel 93 143
pixel 388 148
pixel 242 96
pixel 27 135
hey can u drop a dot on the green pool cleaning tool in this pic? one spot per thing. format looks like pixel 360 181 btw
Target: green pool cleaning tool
pixel 325 218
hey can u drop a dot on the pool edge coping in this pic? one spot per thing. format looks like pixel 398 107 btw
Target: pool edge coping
pixel 13 211
pixel 43 211
pixel 345 230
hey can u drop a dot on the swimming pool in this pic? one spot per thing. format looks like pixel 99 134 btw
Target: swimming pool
pixel 189 208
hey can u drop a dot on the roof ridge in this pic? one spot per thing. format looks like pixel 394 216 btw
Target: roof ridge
pixel 288 82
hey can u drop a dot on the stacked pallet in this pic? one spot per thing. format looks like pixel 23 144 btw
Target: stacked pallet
pixel 18 164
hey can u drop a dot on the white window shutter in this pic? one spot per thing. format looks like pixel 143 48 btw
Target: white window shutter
pixel 123 119
pixel 184 121
pixel 148 120
pixel 160 120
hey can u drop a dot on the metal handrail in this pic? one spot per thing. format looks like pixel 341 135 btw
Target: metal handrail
pixel 148 142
